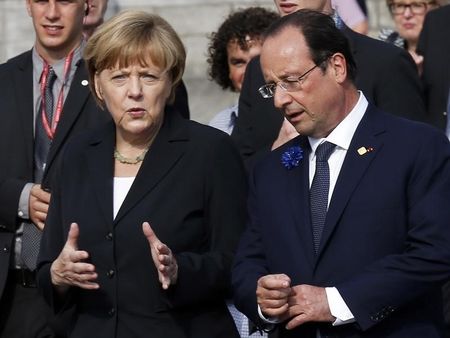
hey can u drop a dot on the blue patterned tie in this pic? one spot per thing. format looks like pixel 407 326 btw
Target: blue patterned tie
pixel 318 193
pixel 31 237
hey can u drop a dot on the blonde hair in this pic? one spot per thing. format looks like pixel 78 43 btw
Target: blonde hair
pixel 132 37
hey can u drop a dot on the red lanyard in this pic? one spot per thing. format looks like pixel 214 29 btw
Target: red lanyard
pixel 50 126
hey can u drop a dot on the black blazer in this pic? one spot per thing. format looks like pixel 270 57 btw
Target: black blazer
pixel 17 141
pixel 191 187
pixel 386 74
pixel 434 45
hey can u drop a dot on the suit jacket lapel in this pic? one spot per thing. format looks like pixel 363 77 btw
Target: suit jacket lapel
pixel 298 191
pixel 166 150
pixel 23 82
pixel 73 106
pixel 353 169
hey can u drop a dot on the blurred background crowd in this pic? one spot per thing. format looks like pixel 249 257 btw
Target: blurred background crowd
pixel 194 21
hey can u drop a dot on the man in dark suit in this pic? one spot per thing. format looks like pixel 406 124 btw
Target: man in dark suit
pixel 386 74
pixel 26 178
pixel 434 45
pixel 348 232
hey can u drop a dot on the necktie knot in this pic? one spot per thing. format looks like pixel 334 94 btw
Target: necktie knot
pixel 324 150
pixel 51 78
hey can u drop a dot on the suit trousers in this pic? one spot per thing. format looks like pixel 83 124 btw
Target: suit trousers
pixel 24 313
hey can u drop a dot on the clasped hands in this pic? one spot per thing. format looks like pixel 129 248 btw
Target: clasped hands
pixel 299 304
pixel 72 269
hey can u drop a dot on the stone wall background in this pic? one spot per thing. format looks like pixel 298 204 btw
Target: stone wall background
pixel 194 20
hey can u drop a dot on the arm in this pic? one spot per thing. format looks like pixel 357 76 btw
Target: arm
pixel 398 279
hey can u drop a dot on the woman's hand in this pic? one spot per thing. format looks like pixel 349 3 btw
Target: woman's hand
pixel 163 258
pixel 69 269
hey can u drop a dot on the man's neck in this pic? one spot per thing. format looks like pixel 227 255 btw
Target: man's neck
pixel 53 56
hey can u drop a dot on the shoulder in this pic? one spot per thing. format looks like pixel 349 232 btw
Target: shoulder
pixel 19 61
pixel 404 134
pixel 366 45
pixel 390 36
pixel 441 14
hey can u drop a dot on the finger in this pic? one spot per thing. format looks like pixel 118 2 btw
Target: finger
pixel 76 256
pixel 72 238
pixel 40 194
pixel 40 207
pixel 274 312
pixel 82 268
pixel 278 281
pixel 87 285
pixel 165 259
pixel 273 294
pixel 40 225
pixel 297 321
pixel 150 235
pixel 164 249
pixel 41 216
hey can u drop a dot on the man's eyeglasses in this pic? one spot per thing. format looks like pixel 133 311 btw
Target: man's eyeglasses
pixel 419 7
pixel 290 84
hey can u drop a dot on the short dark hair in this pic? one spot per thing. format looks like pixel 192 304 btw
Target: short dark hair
pixel 321 35
pixel 239 25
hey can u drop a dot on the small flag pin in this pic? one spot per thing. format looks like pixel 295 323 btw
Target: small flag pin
pixel 364 150
pixel 84 83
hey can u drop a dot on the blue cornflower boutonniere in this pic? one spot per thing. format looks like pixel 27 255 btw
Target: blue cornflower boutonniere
pixel 291 157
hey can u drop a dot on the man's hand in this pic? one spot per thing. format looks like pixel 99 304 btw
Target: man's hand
pixel 272 294
pixel 38 205
pixel 308 303
pixel 164 260
pixel 287 132
pixel 69 269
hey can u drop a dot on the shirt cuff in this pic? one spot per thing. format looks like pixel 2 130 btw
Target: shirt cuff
pixel 24 202
pixel 273 320
pixel 338 307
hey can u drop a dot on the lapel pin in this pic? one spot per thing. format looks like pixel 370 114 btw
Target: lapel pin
pixel 84 83
pixel 364 150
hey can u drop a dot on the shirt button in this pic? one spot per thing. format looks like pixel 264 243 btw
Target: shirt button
pixel 110 273
pixel 112 312
pixel 20 213
pixel 109 236
pixel 444 113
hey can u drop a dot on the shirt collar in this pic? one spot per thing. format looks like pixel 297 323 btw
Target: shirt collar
pixel 342 135
pixel 58 66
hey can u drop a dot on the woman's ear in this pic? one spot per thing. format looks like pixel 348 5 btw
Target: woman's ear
pixel 98 88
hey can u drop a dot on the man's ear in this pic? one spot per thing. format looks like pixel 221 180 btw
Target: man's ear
pixel 27 3
pixel 339 67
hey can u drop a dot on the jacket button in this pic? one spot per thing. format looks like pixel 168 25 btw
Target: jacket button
pixel 109 236
pixel 112 312
pixel 5 249
pixel 110 273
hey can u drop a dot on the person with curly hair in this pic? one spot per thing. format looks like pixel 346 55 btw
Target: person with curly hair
pixel 235 43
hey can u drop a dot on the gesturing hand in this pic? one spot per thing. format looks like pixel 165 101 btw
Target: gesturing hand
pixel 69 269
pixel 164 260
pixel 272 294
pixel 308 303
pixel 38 205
